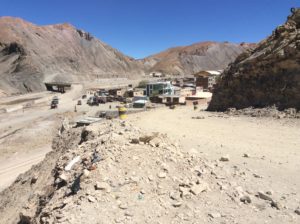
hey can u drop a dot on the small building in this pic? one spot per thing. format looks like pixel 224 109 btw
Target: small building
pixel 156 74
pixel 159 88
pixel 135 92
pixel 171 99
pixel 187 91
pixel 116 92
pixel 138 92
pixel 206 79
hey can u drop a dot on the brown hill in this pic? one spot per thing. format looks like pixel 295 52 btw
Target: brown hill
pixel 194 58
pixel 31 54
pixel 267 76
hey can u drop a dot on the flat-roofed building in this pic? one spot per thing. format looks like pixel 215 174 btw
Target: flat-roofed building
pixel 207 79
pixel 159 88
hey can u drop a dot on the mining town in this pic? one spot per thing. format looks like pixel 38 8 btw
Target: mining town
pixel 202 133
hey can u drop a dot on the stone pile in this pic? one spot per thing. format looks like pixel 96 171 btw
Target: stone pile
pixel 264 112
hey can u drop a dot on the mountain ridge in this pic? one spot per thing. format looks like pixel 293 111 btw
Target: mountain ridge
pixel 31 55
pixel 207 55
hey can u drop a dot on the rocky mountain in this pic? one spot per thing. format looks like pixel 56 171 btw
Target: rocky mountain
pixel 194 58
pixel 31 55
pixel 269 75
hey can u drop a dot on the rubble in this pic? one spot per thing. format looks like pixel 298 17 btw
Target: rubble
pixel 264 112
pixel 246 199
pixel 131 183
pixel 199 188
pixel 214 215
pixel 246 155
pixel 264 196
pixel 71 163
pixel 224 158
pixel 103 186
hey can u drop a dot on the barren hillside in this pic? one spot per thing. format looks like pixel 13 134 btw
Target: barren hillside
pixel 194 58
pixel 31 54
pixel 269 75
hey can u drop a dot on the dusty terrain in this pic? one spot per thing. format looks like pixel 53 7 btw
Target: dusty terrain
pixel 26 134
pixel 272 144
pixel 213 169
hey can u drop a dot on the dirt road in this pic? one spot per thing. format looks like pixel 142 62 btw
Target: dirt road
pixel 26 135
pixel 18 163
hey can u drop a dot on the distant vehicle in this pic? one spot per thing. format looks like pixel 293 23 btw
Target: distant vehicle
pixel 102 93
pixel 90 100
pixel 110 99
pixel 102 99
pixel 53 105
pixel 121 99
pixel 55 100
pixel 84 96
pixel 93 101
pixel 79 102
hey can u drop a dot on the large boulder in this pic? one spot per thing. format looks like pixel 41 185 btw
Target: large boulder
pixel 269 75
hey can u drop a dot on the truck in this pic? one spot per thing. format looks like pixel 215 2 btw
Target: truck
pixel 54 102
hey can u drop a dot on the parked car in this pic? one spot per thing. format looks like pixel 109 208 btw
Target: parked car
pixel 55 100
pixel 93 101
pixel 53 105
pixel 90 100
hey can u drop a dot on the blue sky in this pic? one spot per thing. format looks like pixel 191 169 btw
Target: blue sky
pixel 140 28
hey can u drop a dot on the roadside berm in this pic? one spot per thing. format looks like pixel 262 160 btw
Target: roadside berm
pixel 113 172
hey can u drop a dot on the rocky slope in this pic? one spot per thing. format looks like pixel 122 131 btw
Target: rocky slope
pixel 31 55
pixel 112 172
pixel 270 75
pixel 194 58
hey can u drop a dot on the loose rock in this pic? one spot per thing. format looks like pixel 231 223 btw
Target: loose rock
pixel 224 158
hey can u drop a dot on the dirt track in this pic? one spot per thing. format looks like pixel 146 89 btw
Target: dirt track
pixel 271 145
pixel 26 135
pixel 19 163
